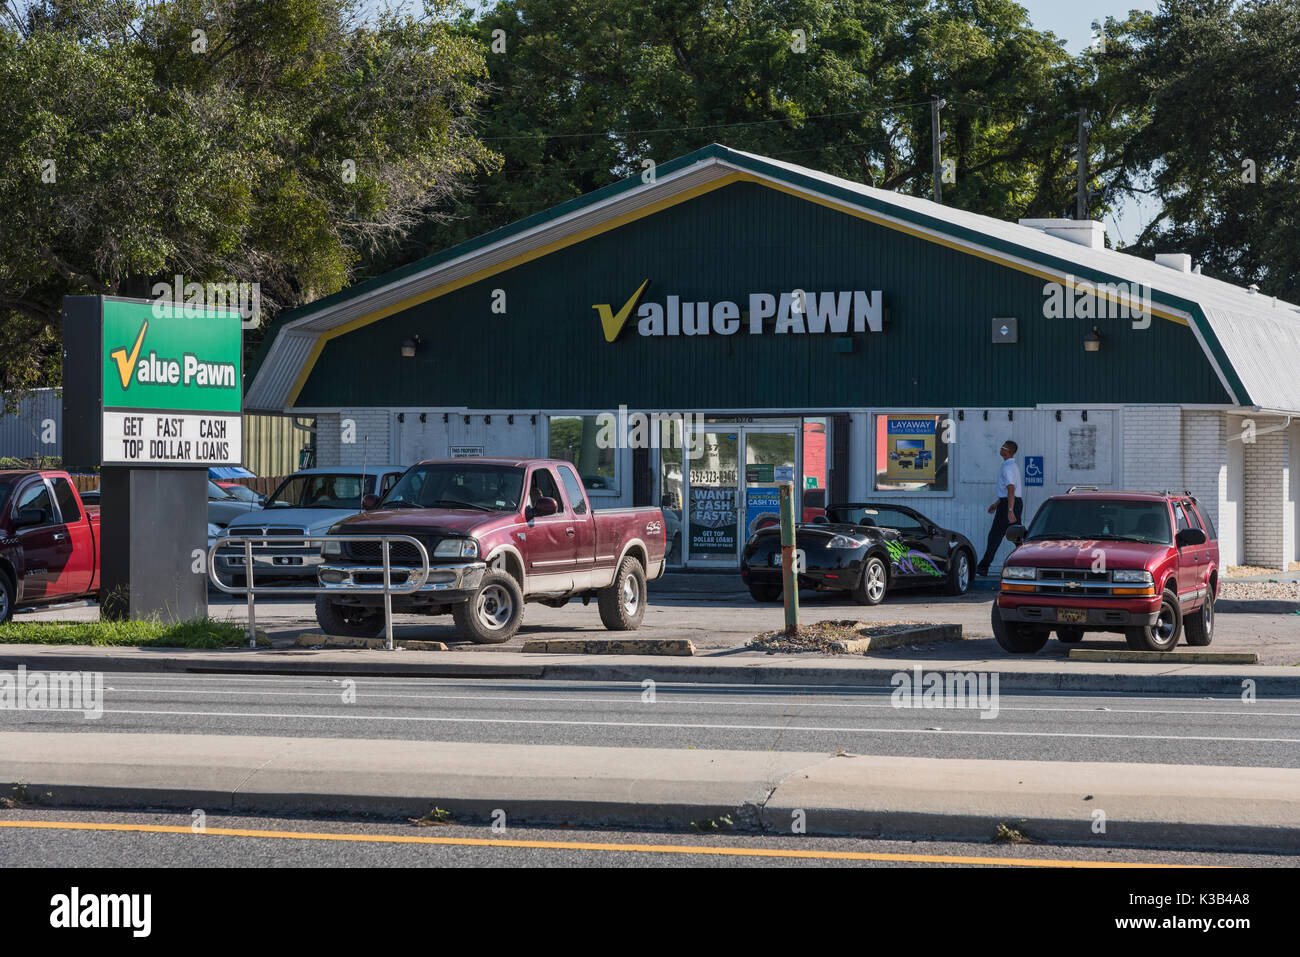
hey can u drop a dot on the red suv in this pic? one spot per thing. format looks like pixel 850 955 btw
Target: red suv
pixel 1145 564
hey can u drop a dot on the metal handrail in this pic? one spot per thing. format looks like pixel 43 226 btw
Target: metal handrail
pixel 250 585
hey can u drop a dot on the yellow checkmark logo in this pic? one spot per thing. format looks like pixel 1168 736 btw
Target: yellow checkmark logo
pixel 612 322
pixel 125 363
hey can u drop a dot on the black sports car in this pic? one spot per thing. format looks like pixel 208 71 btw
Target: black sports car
pixel 864 548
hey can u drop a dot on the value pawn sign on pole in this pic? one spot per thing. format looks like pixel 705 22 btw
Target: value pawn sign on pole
pixel 789 574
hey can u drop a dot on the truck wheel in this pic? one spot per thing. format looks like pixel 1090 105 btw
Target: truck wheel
pixel 493 613
pixel 1069 636
pixel 959 574
pixel 874 583
pixel 1016 637
pixel 622 604
pixel 348 620
pixel 765 593
pixel 1199 629
pixel 7 598
pixel 1164 634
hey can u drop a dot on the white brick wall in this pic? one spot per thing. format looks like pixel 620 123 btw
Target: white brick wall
pixel 1269 531
pixel 327 439
pixel 1153 448
pixel 1205 469
pixel 333 428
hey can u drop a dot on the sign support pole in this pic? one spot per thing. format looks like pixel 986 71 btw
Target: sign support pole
pixel 789 575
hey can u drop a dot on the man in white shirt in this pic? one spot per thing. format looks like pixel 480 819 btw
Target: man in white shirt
pixel 1008 509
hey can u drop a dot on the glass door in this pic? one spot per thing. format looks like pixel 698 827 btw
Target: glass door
pixel 712 527
pixel 770 454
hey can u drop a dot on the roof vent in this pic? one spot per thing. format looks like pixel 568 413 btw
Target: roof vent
pixel 1085 232
pixel 1179 261
pixel 1253 289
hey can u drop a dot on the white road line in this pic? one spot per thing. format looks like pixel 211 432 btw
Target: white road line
pixel 636 691
pixel 694 727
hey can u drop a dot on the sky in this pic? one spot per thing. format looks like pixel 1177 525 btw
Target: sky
pixel 1072 22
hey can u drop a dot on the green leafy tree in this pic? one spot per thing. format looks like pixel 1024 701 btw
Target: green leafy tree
pixel 585 90
pixel 223 140
pixel 1208 90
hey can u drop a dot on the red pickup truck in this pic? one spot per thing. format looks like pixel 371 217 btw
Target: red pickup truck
pixel 49 541
pixel 1145 564
pixel 499 532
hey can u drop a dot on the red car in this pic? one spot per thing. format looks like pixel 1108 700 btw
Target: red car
pixel 1144 564
pixel 49 541
pixel 498 532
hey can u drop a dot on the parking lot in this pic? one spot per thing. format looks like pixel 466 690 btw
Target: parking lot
pixel 719 617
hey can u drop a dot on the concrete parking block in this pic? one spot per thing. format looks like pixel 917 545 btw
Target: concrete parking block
pixel 920 635
pixel 681 647
pixel 1167 657
pixel 371 644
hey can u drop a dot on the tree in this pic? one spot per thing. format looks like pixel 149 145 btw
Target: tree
pixel 584 91
pixel 222 140
pixel 1209 89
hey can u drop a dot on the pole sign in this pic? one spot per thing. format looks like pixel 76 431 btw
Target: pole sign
pixel 152 383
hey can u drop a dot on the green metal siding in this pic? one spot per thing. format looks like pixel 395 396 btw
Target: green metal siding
pixel 548 351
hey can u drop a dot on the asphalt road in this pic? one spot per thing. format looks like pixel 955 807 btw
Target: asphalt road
pixel 1037 726
pixel 289 842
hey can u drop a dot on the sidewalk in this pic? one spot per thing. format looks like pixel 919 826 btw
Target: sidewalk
pixel 740 667
pixel 1154 804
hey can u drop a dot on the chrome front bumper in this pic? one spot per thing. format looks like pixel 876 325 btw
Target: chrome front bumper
pixel 461 577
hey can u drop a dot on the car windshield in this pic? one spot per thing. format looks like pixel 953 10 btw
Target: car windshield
pixel 217 492
pixel 323 490
pixel 1089 519
pixel 493 488
pixel 242 492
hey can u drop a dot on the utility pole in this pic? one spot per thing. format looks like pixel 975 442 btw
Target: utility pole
pixel 1081 203
pixel 936 105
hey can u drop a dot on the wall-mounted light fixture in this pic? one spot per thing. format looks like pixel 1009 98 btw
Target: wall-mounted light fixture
pixel 1085 415
pixel 401 417
pixel 510 420
pixel 424 417
pixel 1058 415
pixel 961 415
pixel 1010 415
pixel 1092 341
pixel 445 418
pixel 409 346
pixel 487 420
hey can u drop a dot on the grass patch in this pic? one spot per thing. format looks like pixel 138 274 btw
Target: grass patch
pixel 198 633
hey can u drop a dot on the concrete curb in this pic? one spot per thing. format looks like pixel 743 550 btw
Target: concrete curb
pixel 677 647
pixel 861 795
pixel 840 671
pixel 920 635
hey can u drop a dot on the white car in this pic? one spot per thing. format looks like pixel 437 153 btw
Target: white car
pixel 306 503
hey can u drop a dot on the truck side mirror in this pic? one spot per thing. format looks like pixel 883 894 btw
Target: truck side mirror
pixel 27 517
pixel 369 501
pixel 1189 536
pixel 1016 534
pixel 545 506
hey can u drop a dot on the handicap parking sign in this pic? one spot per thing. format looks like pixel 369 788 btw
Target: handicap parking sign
pixel 1033 470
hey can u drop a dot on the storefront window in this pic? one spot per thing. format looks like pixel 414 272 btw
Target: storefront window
pixel 911 453
pixel 814 468
pixel 573 438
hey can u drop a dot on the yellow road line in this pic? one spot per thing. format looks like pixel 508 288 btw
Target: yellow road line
pixel 570 845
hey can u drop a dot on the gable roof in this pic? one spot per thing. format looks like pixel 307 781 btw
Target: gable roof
pixel 1251 341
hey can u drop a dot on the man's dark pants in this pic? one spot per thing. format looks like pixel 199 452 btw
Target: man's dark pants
pixel 999 529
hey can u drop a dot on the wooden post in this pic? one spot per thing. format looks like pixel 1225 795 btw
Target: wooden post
pixel 789 576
